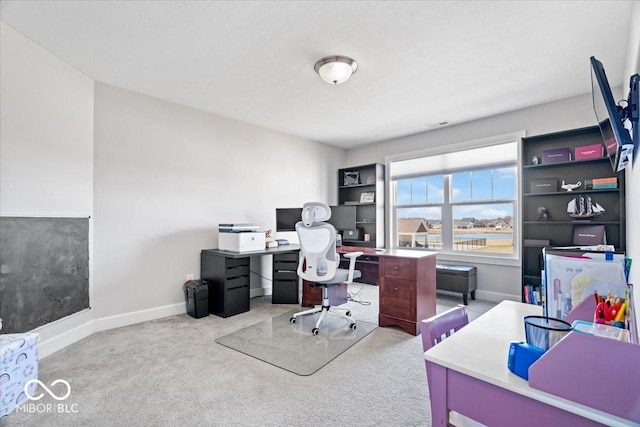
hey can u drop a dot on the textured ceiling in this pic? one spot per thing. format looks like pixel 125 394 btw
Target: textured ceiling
pixel 420 63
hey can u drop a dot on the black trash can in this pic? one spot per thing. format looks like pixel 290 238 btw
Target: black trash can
pixel 196 295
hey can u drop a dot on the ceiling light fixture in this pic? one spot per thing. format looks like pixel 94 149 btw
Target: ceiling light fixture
pixel 335 69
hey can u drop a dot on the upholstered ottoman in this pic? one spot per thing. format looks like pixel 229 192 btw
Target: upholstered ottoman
pixel 457 278
pixel 18 365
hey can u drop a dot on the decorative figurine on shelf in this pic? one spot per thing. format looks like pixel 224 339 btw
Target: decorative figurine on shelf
pixel 543 213
pixel 570 187
pixel 535 160
pixel 584 208
pixel 351 178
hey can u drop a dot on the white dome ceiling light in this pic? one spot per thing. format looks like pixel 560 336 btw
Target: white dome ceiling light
pixel 335 69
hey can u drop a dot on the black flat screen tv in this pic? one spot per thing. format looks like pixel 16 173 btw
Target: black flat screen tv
pixel 617 140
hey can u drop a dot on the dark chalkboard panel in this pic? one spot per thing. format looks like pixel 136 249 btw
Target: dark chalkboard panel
pixel 44 270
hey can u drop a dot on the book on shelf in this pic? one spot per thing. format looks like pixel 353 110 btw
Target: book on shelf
pixel 608 180
pixel 532 295
pixel 537 242
pixel 536 298
pixel 543 288
pixel 589 235
pixel 556 155
pixel 592 151
pixel 601 183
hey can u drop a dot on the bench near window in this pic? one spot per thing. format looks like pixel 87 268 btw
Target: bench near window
pixel 457 278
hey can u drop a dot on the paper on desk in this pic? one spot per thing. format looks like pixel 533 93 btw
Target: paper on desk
pixel 597 248
pixel 571 280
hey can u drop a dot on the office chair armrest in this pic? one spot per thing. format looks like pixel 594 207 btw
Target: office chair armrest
pixel 352 263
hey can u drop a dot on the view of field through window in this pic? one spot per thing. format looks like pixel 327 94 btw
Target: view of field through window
pixel 479 204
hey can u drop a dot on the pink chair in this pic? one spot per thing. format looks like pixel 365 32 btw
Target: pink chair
pixel 434 330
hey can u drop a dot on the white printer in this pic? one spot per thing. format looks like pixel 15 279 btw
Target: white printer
pixel 240 237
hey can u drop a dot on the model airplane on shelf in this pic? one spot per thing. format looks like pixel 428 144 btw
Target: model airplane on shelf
pixel 583 208
pixel 570 187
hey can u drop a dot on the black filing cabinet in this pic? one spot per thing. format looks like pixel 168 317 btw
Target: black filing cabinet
pixel 228 280
pixel 285 278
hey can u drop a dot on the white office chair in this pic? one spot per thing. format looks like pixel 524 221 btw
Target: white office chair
pixel 319 261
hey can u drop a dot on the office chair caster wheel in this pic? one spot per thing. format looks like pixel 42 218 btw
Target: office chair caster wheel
pixel 348 314
pixel 315 331
pixel 352 326
pixel 292 320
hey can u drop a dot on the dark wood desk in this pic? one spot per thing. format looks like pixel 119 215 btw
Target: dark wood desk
pixel 228 274
pixel 407 281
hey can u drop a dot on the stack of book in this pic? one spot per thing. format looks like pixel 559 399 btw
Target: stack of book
pixel 601 183
pixel 532 295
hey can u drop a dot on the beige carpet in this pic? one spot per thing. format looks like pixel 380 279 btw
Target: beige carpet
pixel 171 372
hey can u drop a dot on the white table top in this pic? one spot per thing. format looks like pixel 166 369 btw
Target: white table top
pixel 481 349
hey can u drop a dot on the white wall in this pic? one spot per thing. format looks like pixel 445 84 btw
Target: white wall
pixel 46 140
pixel 166 175
pixel 46 167
pixel 501 280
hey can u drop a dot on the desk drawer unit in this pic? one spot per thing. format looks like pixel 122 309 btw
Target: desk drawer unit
pixel 397 298
pixel 407 291
pixel 285 278
pixel 228 280
pixel 402 268
pixel 368 266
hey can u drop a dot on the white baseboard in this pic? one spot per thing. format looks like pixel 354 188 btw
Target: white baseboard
pixel 54 340
pixel 483 295
pixel 259 292
pixel 58 342
pixel 496 296
pixel 126 319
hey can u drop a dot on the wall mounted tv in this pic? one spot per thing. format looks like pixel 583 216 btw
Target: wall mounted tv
pixel 617 139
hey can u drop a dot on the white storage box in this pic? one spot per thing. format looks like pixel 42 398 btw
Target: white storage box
pixel 601 330
pixel 242 242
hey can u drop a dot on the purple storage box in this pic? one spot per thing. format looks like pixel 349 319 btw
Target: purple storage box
pixel 585 152
pixel 556 155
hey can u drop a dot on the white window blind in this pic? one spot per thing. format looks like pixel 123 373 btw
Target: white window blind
pixel 445 163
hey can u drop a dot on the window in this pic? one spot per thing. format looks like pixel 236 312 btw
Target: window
pixel 456 209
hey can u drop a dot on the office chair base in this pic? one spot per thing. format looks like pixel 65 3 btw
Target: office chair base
pixel 325 309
